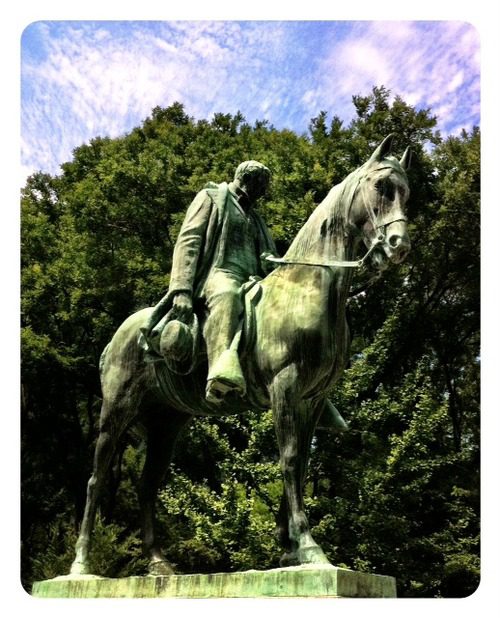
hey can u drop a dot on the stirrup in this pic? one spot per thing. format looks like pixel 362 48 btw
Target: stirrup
pixel 226 376
pixel 218 388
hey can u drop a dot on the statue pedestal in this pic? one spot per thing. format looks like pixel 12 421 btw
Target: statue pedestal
pixel 287 582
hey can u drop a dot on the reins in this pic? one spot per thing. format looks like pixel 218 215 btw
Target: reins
pixel 332 263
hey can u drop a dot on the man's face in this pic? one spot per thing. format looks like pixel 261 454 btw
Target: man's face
pixel 255 186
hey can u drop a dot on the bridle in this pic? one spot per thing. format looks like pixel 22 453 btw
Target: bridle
pixel 346 263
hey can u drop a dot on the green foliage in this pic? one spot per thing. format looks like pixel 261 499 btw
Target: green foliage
pixel 220 503
pixel 115 552
pixel 398 494
pixel 218 531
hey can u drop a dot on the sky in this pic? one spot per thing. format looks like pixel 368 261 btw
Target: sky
pixel 82 79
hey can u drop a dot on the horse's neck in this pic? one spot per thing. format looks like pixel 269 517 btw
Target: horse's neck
pixel 326 236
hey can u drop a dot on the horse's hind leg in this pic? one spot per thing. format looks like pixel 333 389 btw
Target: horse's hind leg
pixel 163 427
pixel 294 421
pixel 109 436
pixel 281 531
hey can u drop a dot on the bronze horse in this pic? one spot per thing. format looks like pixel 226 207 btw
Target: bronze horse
pixel 290 363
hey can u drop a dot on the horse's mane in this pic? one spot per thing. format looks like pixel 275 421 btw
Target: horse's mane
pixel 322 236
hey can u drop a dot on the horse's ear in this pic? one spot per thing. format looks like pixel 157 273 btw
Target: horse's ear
pixel 383 149
pixel 405 161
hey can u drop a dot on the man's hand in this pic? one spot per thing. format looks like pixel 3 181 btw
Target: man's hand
pixel 267 265
pixel 182 308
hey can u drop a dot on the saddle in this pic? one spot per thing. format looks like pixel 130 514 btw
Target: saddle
pixel 181 345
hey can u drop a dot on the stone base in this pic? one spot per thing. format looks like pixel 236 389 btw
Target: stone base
pixel 287 582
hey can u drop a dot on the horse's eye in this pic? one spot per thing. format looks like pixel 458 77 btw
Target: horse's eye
pixel 386 189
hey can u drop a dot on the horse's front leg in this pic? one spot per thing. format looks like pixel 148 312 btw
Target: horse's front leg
pixel 294 421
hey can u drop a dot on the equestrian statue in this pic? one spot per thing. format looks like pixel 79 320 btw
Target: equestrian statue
pixel 240 328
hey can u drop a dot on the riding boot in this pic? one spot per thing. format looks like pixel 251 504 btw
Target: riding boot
pixel 221 332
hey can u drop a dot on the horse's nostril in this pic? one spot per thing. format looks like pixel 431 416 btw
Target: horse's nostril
pixel 398 248
pixel 400 253
pixel 394 240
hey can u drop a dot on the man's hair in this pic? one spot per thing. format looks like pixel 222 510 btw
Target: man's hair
pixel 250 168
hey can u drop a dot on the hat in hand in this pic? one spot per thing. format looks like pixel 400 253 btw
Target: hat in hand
pixel 179 344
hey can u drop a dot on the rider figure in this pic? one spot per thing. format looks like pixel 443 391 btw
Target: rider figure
pixel 221 244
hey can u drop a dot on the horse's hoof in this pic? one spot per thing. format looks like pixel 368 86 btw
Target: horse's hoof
pixel 160 567
pixel 313 554
pixel 305 556
pixel 79 568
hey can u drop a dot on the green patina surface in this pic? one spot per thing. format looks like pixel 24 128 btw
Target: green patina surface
pixel 291 582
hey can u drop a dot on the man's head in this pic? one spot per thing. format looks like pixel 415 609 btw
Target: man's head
pixel 252 178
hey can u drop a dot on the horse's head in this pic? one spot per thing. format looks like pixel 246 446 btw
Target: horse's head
pixel 378 206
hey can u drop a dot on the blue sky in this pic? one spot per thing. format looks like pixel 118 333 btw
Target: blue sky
pixel 80 79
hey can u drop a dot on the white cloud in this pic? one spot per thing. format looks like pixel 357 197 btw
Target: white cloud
pixel 428 64
pixel 104 79
pixel 456 82
pixel 208 49
pixel 445 112
pixel 309 97
pixel 364 63
pixel 97 81
pixel 163 45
